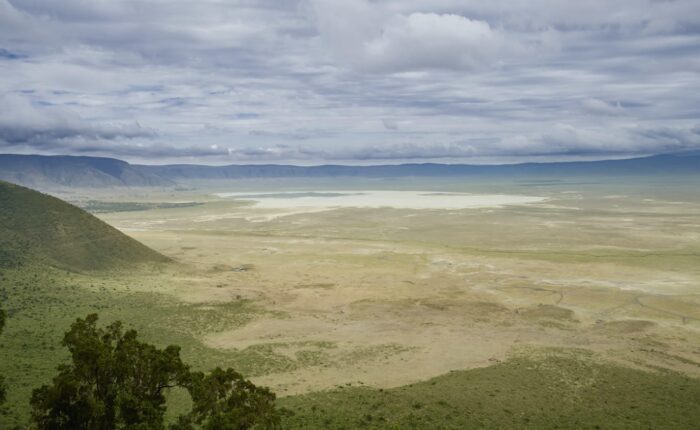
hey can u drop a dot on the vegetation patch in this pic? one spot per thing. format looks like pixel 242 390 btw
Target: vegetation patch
pixel 626 326
pixel 96 206
pixel 42 302
pixel 563 391
pixel 278 357
pixel 550 312
pixel 372 353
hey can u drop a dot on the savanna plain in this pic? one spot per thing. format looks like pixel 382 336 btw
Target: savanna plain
pixel 401 303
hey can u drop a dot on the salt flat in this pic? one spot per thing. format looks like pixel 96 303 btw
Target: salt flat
pixel 327 200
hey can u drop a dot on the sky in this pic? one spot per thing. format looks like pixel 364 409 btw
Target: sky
pixel 349 81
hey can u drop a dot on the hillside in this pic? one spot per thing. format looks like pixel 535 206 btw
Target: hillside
pixel 35 227
pixel 561 390
pixel 42 172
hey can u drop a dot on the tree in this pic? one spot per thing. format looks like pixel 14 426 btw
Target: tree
pixel 115 381
pixel 224 400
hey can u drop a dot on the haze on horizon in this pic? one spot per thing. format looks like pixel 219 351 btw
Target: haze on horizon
pixel 351 82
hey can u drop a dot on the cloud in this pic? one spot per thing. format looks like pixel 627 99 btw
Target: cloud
pixel 21 122
pixel 432 41
pixel 601 107
pixel 4 53
pixel 360 36
pixel 390 124
pixel 668 139
pixel 317 80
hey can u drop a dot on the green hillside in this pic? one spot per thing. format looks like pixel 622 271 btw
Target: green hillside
pixel 35 227
pixel 563 389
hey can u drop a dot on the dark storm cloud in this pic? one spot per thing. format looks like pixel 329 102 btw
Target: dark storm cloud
pixel 316 80
pixel 45 125
pixel 4 53
pixel 48 132
pixel 671 139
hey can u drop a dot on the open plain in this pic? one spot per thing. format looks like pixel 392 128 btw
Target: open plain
pixel 312 296
pixel 388 295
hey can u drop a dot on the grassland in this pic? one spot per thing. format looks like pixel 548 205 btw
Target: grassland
pixel 42 303
pixel 425 318
pixel 544 390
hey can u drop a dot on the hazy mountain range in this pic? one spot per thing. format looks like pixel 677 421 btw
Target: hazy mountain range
pixel 39 171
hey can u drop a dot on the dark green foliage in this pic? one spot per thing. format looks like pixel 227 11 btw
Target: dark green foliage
pixel 38 227
pixel 42 303
pixel 114 381
pixel 9 259
pixel 224 400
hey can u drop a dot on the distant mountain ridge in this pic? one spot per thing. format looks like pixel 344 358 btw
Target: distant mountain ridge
pixel 658 164
pixel 38 228
pixel 41 172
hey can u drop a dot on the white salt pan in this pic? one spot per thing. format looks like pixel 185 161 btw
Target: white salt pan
pixel 326 200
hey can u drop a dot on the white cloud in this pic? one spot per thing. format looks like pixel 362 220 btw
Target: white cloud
pixel 432 41
pixel 370 39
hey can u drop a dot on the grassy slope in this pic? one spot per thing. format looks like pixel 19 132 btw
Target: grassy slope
pixel 42 302
pixel 38 227
pixel 558 391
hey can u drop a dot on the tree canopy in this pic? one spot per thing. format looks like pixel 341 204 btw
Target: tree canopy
pixel 224 400
pixel 115 381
